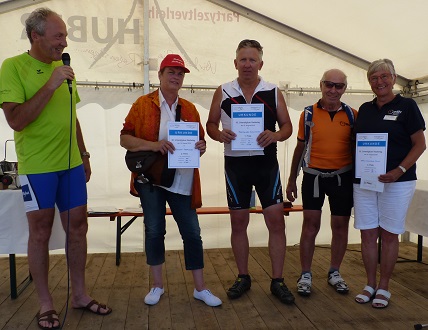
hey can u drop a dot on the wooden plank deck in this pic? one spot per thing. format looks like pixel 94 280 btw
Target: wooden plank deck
pixel 125 286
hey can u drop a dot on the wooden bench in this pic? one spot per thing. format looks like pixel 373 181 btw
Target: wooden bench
pixel 117 216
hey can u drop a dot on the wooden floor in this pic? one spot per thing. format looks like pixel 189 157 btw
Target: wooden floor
pixel 125 286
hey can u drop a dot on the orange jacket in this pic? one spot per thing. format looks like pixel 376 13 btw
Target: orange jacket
pixel 143 121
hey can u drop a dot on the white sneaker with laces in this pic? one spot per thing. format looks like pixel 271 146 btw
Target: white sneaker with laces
pixel 152 298
pixel 304 284
pixel 336 281
pixel 207 297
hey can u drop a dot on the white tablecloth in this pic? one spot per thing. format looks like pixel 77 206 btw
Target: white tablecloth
pixel 417 216
pixel 14 225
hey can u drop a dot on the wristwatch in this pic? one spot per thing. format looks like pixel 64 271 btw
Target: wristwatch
pixel 402 168
pixel 85 154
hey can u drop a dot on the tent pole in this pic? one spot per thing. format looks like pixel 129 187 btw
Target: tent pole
pixel 146 46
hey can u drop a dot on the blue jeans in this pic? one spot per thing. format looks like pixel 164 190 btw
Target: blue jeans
pixel 153 200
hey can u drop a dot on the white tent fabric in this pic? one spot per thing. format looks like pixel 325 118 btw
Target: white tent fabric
pixel 365 28
pixel 106 42
pixel 106 45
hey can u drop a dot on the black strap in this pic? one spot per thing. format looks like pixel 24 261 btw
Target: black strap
pixel 178 112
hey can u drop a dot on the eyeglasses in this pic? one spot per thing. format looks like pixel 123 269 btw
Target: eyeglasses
pixel 330 84
pixel 383 77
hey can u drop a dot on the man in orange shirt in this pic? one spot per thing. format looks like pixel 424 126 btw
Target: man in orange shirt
pixel 327 171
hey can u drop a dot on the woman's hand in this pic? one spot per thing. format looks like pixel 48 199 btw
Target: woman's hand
pixel 201 145
pixel 164 146
pixel 390 176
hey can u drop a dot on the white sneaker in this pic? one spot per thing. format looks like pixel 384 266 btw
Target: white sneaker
pixel 207 297
pixel 304 284
pixel 152 298
pixel 336 281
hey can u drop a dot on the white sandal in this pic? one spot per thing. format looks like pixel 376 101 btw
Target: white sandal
pixel 362 298
pixel 382 302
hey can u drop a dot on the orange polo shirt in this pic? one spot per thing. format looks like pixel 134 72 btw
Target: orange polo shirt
pixel 331 138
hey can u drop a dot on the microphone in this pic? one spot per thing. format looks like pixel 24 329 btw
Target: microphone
pixel 66 60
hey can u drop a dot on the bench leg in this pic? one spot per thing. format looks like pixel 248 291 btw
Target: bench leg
pixel 119 231
pixel 420 247
pixel 118 239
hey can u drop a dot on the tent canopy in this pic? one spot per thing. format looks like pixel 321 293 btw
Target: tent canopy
pixel 109 38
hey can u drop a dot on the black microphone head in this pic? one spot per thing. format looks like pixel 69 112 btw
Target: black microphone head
pixel 66 58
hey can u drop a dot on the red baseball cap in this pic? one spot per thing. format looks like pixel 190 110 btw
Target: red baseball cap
pixel 173 60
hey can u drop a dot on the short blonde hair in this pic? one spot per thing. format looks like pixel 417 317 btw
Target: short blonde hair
pixel 248 43
pixel 379 65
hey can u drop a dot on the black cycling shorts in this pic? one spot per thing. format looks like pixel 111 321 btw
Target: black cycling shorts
pixel 340 197
pixel 242 173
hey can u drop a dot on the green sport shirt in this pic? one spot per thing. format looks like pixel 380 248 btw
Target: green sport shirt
pixel 43 145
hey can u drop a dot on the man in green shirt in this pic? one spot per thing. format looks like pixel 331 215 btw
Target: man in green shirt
pixel 53 162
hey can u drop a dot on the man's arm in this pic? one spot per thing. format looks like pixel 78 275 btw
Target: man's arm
pixel 20 115
pixel 213 122
pixel 291 190
pixel 284 121
pixel 82 148
pixel 285 126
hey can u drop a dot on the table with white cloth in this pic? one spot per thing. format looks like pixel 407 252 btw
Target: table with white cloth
pixel 14 233
pixel 417 215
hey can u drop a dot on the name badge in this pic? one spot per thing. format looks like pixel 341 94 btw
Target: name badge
pixel 390 117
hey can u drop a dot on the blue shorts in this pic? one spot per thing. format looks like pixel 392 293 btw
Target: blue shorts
pixel 66 189
pixel 242 173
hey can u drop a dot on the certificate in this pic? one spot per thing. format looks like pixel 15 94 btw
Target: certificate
pixel 183 135
pixel 370 159
pixel 247 123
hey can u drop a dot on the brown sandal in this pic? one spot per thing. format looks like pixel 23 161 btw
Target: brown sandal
pixel 99 307
pixel 50 316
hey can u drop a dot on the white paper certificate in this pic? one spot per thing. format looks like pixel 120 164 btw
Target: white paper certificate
pixel 247 123
pixel 183 135
pixel 370 159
